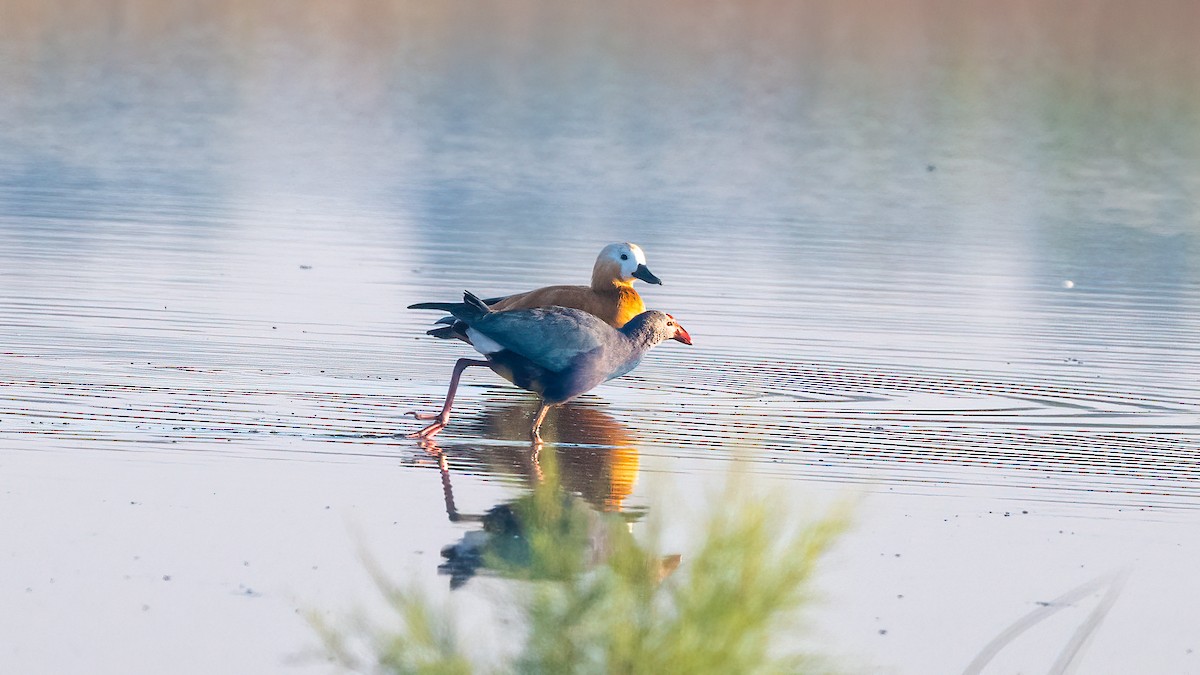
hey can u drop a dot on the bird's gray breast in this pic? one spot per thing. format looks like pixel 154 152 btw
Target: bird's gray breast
pixel 622 368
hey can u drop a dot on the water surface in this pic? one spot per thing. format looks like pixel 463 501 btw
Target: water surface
pixel 945 255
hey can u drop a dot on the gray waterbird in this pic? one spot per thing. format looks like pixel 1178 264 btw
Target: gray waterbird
pixel 555 352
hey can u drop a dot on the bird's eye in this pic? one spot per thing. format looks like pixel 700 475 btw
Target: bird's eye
pixel 670 323
pixel 624 257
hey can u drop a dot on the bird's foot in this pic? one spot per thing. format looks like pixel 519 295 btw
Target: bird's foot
pixel 431 430
pixel 424 416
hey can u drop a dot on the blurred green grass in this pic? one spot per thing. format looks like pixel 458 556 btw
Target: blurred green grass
pixel 592 598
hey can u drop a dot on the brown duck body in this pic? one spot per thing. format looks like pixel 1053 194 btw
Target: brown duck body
pixel 608 298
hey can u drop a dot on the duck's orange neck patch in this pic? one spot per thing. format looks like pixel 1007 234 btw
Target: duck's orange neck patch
pixel 629 305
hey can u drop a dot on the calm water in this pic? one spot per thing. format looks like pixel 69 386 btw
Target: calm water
pixel 945 255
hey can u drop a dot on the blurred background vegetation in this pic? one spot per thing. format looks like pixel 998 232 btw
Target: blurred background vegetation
pixel 592 598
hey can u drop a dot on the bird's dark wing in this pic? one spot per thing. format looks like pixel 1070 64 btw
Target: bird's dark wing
pixel 551 337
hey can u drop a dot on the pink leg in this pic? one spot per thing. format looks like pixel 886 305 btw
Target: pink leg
pixel 537 422
pixel 443 418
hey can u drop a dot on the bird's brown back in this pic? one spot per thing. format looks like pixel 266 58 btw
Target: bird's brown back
pixel 615 307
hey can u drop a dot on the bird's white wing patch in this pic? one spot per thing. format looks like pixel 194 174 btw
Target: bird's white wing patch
pixel 482 343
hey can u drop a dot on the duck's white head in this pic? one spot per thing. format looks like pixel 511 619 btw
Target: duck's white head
pixel 624 262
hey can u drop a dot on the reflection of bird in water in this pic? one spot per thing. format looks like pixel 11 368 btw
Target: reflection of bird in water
pixel 600 462
pixel 595 459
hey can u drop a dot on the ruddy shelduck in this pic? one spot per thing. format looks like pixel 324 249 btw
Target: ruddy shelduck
pixel 611 296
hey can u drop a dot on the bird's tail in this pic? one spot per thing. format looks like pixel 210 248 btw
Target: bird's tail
pixel 477 305
pixel 448 332
pixel 470 309
pixel 443 306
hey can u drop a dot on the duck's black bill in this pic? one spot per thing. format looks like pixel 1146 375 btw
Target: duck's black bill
pixel 642 272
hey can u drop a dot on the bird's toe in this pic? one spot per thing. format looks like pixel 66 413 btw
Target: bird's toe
pixel 428 432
